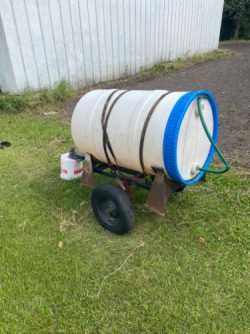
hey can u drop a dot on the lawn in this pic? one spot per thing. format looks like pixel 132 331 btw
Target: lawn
pixel 62 273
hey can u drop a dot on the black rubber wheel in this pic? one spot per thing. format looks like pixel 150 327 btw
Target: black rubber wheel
pixel 112 208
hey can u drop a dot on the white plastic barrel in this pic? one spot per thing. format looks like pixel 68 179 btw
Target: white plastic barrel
pixel 174 140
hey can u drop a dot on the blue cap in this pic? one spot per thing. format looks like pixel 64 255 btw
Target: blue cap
pixel 172 133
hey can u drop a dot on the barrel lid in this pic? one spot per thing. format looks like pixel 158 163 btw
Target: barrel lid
pixel 185 145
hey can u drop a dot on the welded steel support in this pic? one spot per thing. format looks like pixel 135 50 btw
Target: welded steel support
pixel 160 192
pixel 88 178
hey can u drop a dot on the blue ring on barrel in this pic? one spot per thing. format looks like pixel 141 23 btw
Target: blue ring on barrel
pixel 171 135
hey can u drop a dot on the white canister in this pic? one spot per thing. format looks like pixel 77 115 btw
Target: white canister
pixel 71 169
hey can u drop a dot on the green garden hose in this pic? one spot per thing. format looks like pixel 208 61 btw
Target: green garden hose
pixel 217 149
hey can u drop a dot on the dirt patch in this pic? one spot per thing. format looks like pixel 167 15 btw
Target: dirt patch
pixel 229 80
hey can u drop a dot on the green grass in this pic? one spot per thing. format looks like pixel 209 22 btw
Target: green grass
pixel 60 272
pixel 14 103
pixel 185 62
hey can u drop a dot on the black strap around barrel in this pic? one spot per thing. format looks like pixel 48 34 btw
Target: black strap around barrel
pixel 105 118
pixel 145 126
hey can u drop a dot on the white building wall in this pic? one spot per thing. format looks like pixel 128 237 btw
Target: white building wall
pixel 87 41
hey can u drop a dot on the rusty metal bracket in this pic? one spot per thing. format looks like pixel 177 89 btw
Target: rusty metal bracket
pixel 88 179
pixel 160 192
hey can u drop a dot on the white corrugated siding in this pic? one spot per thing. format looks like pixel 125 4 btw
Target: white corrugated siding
pixel 87 41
